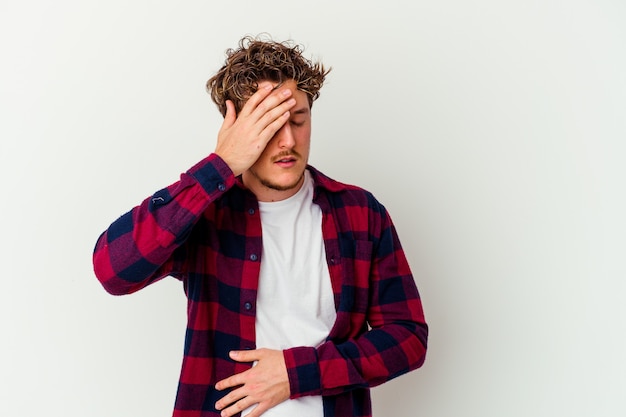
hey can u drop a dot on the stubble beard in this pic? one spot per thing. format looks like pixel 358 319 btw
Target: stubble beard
pixel 277 187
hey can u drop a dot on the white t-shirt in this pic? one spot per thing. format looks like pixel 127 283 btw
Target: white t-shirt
pixel 295 304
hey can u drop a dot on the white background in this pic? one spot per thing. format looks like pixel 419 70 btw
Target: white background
pixel 493 131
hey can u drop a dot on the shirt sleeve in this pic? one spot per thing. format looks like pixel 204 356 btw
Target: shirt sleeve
pixel 393 344
pixel 139 247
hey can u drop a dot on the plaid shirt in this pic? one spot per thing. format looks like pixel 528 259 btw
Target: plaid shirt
pixel 206 231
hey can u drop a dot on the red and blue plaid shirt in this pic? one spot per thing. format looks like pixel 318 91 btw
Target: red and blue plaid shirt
pixel 206 231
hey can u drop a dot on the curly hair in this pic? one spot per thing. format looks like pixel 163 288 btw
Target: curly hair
pixel 257 60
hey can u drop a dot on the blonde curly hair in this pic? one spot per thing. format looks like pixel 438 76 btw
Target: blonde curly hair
pixel 258 59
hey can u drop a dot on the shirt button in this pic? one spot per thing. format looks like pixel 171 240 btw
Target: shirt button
pixel 248 306
pixel 221 186
pixel 251 211
pixel 253 257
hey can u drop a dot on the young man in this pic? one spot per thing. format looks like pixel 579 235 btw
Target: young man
pixel 284 268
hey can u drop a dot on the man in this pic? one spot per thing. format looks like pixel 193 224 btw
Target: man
pixel 300 297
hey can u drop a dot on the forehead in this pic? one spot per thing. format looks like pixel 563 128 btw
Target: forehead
pixel 301 97
pixel 290 83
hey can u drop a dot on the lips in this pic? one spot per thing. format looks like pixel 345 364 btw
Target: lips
pixel 285 159
pixel 290 163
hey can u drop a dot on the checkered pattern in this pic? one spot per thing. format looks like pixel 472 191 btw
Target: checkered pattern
pixel 206 231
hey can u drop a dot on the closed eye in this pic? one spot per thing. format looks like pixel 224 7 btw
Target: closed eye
pixel 300 116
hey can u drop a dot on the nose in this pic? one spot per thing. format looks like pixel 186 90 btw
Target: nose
pixel 284 137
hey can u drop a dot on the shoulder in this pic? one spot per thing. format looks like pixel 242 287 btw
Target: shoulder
pixel 342 194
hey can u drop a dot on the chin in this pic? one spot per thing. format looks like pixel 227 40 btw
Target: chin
pixel 285 185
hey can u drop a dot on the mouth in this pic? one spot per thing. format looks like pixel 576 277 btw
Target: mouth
pixel 285 160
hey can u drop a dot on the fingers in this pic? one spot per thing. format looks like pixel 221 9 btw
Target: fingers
pixel 267 101
pixel 258 410
pixel 243 137
pixel 246 355
pixel 264 90
pixel 236 401
pixel 242 405
pixel 239 379
pixel 230 382
pixel 264 385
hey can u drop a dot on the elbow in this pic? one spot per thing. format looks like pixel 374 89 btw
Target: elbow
pixel 420 344
pixel 422 333
pixel 114 288
pixel 106 275
pixel 414 344
pixel 121 283
pixel 111 284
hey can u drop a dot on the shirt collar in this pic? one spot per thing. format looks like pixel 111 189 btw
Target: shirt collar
pixel 322 181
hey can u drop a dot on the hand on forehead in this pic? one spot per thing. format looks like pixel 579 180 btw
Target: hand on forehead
pixel 289 83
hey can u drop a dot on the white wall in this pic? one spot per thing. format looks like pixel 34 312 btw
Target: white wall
pixel 493 131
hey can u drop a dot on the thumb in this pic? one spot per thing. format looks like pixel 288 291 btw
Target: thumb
pixel 244 355
pixel 231 114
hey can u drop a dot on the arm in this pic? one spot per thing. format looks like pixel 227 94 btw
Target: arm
pixel 396 341
pixel 138 248
pixel 395 344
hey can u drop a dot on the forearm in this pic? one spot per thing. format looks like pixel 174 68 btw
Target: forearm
pixel 137 248
pixel 380 333
pixel 377 356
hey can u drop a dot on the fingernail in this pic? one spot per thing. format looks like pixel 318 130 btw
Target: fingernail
pixel 234 353
pixel 286 93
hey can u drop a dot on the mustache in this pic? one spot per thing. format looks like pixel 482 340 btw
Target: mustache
pixel 283 154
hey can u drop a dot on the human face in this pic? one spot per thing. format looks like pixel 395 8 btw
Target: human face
pixel 279 172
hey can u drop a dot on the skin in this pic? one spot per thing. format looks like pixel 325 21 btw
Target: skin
pixel 266 384
pixel 268 143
